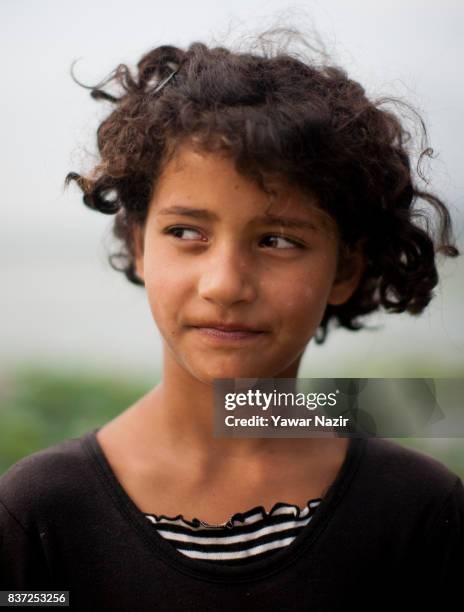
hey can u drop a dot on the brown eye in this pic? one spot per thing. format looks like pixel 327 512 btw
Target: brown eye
pixel 284 239
pixel 174 231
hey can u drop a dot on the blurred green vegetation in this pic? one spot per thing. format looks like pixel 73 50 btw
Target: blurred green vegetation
pixel 41 407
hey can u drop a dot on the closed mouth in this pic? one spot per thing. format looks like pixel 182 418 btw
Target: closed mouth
pixel 229 327
pixel 227 334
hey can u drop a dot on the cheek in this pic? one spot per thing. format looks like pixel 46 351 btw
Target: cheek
pixel 300 305
pixel 165 289
pixel 299 295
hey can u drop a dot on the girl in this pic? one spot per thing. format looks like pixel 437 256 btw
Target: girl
pixel 260 199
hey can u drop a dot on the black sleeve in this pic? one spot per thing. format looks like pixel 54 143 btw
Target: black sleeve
pixel 22 561
pixel 445 544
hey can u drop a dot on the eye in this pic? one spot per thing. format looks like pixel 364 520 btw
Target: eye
pixel 173 231
pixel 294 243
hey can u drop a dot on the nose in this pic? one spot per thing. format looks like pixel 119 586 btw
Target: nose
pixel 227 277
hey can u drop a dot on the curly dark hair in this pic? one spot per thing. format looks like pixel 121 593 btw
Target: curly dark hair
pixel 276 114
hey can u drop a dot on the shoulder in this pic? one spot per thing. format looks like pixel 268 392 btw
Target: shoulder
pixel 407 473
pixel 34 484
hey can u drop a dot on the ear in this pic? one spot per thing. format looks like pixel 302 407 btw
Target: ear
pixel 351 266
pixel 138 238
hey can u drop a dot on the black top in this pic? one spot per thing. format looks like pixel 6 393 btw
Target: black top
pixel 389 532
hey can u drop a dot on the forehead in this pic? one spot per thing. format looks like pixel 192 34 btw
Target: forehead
pixel 193 176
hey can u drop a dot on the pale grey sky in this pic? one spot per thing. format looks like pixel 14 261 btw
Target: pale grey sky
pixel 62 303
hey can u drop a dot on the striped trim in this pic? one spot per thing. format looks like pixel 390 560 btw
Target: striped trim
pixel 246 536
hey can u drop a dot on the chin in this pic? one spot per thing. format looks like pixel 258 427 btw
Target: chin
pixel 212 374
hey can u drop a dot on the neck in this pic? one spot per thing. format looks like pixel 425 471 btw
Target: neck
pixel 179 413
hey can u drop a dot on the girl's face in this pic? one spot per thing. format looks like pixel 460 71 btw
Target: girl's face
pixel 211 255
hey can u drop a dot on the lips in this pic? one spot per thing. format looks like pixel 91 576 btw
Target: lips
pixel 220 331
pixel 228 327
pixel 221 334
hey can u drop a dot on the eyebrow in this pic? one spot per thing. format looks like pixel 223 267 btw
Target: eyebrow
pixel 269 219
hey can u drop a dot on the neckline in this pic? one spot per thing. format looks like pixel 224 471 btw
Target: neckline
pixel 207 570
pixel 240 519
